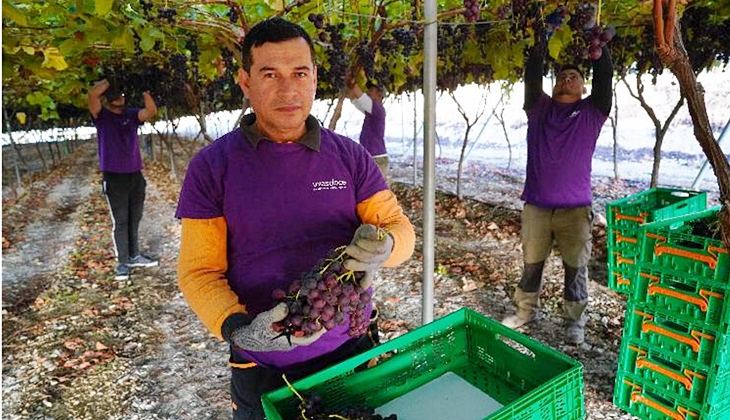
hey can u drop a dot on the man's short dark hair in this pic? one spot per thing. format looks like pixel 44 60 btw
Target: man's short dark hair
pixel 572 67
pixel 113 92
pixel 271 30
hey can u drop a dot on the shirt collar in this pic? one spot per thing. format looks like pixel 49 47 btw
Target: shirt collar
pixel 310 140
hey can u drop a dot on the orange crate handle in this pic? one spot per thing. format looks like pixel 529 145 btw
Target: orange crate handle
pixel 621 279
pixel 660 249
pixel 620 238
pixel 639 219
pixel 622 260
pixel 693 342
pixel 685 379
pixel 680 414
pixel 699 301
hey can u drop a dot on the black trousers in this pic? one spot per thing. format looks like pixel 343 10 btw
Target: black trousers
pixel 248 384
pixel 125 194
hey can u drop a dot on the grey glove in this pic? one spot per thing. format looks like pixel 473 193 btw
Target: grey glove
pixel 260 336
pixel 368 250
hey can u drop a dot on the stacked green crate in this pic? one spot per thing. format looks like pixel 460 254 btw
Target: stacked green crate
pixel 624 218
pixel 674 361
pixel 528 379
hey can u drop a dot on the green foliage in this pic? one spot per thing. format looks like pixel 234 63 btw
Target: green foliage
pixel 54 50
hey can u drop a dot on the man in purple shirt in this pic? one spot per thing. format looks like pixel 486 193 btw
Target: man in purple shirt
pixel 372 135
pixel 264 204
pixel 562 132
pixel 121 165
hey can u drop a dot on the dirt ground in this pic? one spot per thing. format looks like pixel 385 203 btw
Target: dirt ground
pixel 79 345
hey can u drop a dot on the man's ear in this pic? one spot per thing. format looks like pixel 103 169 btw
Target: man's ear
pixel 243 81
pixel 585 90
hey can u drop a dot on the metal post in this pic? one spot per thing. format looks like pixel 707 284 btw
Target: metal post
pixel 430 53
pixel 415 143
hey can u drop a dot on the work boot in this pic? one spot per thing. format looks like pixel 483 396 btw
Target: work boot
pixel 528 309
pixel 575 320
pixel 575 334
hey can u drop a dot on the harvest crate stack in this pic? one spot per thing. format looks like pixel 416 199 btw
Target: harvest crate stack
pixel 624 219
pixel 674 361
pixel 527 379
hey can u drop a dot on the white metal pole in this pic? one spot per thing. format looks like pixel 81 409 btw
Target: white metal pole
pixel 430 51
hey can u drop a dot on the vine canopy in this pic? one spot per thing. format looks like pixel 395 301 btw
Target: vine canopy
pixel 186 52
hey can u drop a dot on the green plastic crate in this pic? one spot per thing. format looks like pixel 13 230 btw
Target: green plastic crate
pixel 649 401
pixel 674 338
pixel 530 380
pixel 682 246
pixel 652 205
pixel 683 297
pixel 683 381
pixel 624 218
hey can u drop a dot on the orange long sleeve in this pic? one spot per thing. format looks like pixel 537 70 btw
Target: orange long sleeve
pixel 383 210
pixel 201 272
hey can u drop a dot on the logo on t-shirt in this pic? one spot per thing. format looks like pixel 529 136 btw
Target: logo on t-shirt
pixel 574 114
pixel 333 184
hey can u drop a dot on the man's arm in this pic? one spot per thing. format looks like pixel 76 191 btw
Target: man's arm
pixel 359 99
pixel 150 108
pixel 94 97
pixel 533 73
pixel 602 90
pixel 201 276
pixel 382 210
pixel 353 90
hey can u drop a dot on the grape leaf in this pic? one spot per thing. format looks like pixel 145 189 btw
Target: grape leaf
pixel 559 40
pixel 54 59
pixel 12 13
pixel 103 7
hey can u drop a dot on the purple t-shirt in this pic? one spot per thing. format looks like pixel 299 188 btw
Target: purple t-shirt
pixel 286 206
pixel 561 139
pixel 118 141
pixel 372 136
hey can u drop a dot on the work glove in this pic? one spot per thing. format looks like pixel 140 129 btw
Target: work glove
pixel 259 335
pixel 369 249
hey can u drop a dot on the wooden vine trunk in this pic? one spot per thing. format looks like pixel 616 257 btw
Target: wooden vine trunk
pixel 674 56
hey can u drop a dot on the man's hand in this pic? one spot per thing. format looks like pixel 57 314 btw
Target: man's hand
pixel 369 249
pixel 260 335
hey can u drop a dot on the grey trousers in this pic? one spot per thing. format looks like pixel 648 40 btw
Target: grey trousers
pixel 570 230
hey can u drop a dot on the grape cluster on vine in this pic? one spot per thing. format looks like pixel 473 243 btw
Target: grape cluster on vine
pixel 178 67
pixel 325 297
pixel 367 58
pixel 406 39
pixel 337 57
pixel 583 17
pixel 597 39
pixel 555 19
pixel 471 10
pixel 146 6
pixel 168 14
pixel 312 408
pixel 317 19
pixel 232 14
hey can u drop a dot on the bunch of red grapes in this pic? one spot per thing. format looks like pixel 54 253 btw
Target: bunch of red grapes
pixel 471 10
pixel 325 297
pixel 597 39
